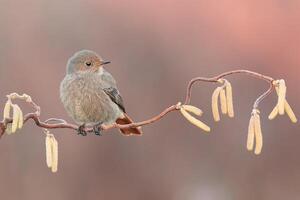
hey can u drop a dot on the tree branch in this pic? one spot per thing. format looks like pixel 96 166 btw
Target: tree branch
pixel 216 78
pixel 60 123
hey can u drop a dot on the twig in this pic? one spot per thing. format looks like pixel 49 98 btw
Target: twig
pixel 216 78
pixel 63 124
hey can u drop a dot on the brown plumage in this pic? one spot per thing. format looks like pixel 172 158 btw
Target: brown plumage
pixel 90 94
pixel 129 131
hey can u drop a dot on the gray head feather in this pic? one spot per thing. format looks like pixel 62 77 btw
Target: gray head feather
pixel 79 59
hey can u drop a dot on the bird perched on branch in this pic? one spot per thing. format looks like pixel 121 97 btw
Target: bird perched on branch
pixel 90 95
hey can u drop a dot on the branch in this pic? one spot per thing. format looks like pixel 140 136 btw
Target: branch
pixel 60 123
pixel 217 78
pixel 10 124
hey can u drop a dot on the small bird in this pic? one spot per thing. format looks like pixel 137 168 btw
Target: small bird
pixel 90 95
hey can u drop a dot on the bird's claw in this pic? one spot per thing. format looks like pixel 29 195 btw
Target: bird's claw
pixel 98 129
pixel 81 130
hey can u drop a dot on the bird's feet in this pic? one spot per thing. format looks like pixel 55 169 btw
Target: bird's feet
pixel 97 129
pixel 81 130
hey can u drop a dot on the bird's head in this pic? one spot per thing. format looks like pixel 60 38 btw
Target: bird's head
pixel 85 61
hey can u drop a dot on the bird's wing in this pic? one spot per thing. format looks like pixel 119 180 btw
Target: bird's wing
pixel 115 96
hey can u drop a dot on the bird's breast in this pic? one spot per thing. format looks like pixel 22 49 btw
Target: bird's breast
pixel 84 99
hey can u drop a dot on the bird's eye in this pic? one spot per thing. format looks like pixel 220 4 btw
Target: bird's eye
pixel 88 64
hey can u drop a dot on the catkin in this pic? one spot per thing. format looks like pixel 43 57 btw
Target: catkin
pixel 258 134
pixel 16 117
pixel 54 155
pixel 194 121
pixel 223 101
pixel 274 113
pixel 6 115
pixel 229 100
pixel 21 119
pixel 214 104
pixel 192 109
pixel 48 143
pixel 6 111
pixel 290 112
pixel 281 96
pixel 8 129
pixel 250 138
pixel 281 92
pixel 51 152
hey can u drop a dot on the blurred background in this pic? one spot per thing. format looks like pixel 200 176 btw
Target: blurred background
pixel 155 47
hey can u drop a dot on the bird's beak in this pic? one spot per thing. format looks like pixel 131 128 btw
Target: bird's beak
pixel 105 62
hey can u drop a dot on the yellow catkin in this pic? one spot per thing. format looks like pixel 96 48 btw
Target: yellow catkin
pixel 223 101
pixel 290 112
pixel 48 144
pixel 21 119
pixel 229 100
pixel 274 113
pixel 194 121
pixel 258 134
pixel 281 96
pixel 287 108
pixel 214 104
pixel 54 155
pixel 16 117
pixel 8 129
pixel 6 115
pixel 192 109
pixel 6 111
pixel 250 138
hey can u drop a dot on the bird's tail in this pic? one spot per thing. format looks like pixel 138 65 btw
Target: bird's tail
pixel 128 131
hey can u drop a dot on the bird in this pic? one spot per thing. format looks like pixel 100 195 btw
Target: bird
pixel 90 95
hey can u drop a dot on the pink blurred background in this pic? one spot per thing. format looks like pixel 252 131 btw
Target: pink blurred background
pixel 155 47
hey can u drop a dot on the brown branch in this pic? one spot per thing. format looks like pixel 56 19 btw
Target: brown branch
pixel 63 124
pixel 46 125
pixel 216 78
